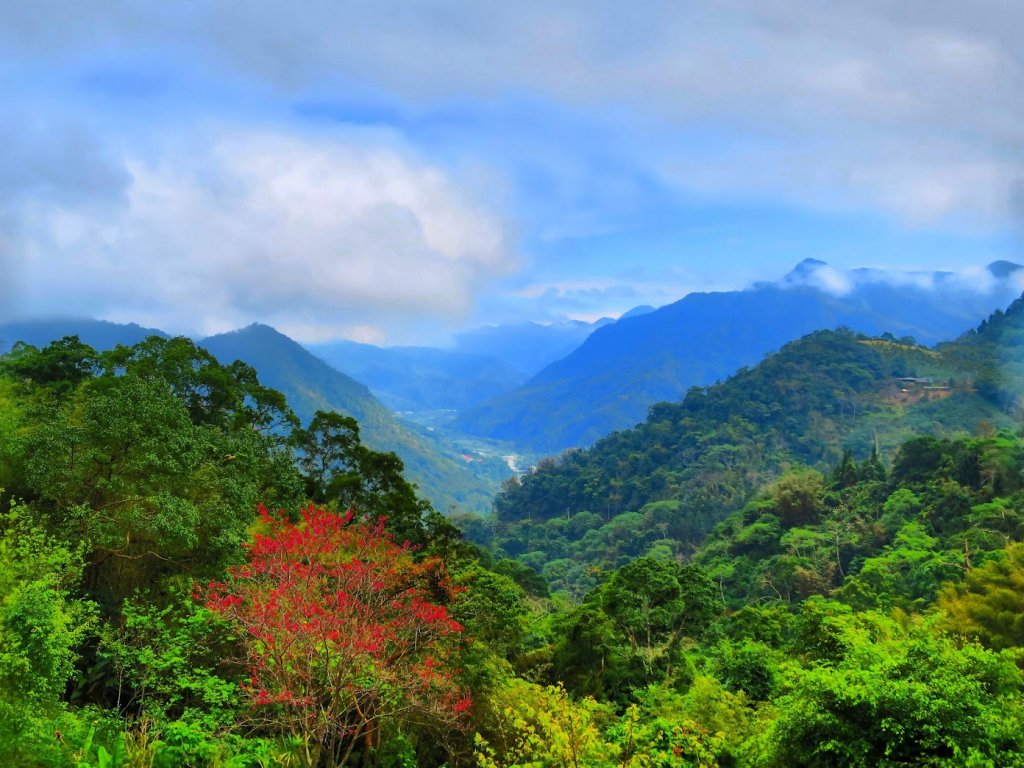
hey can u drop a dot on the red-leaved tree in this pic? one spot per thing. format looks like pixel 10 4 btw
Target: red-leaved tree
pixel 344 633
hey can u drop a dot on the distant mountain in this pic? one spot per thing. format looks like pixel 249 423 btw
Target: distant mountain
pixel 646 309
pixel 98 334
pixel 620 370
pixel 528 347
pixel 422 378
pixel 310 384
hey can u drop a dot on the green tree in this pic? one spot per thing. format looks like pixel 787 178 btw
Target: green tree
pixel 909 699
pixel 798 497
pixel 529 725
pixel 988 605
pixel 653 602
pixel 338 469
pixel 59 367
pixel 41 629
pixel 123 469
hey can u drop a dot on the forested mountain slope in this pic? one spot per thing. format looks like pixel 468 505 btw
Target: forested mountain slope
pixel 673 477
pixel 621 369
pixel 310 384
pixel 151 616
pixel 873 537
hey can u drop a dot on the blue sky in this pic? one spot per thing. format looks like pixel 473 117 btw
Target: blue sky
pixel 396 172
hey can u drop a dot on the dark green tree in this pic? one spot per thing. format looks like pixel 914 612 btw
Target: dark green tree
pixel 338 469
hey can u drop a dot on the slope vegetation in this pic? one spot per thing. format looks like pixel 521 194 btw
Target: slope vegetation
pixel 823 397
pixel 310 385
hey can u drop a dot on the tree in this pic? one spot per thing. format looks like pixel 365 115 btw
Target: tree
pixel 530 725
pixel 919 460
pixel 339 469
pixel 653 602
pixel 344 632
pixel 629 632
pixel 798 497
pixel 121 468
pixel 913 698
pixel 225 396
pixel 59 366
pixel 327 454
pixel 41 629
pixel 154 456
pixel 989 603
pixel 845 473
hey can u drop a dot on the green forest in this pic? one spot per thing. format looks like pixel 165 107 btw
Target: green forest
pixel 817 562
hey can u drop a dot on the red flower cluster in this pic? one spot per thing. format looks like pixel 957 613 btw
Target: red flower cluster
pixel 344 629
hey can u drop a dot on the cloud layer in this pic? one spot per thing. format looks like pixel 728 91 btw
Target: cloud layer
pixel 158 153
pixel 913 106
pixel 314 234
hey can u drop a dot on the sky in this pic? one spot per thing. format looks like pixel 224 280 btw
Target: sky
pixel 395 172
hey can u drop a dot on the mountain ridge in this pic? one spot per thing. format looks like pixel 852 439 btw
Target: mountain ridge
pixel 822 400
pixel 310 384
pixel 622 369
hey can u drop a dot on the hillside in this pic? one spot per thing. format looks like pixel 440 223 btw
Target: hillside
pixel 611 380
pixel 866 617
pixel 310 384
pixel 675 476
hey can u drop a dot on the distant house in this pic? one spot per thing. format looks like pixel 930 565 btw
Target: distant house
pixel 912 383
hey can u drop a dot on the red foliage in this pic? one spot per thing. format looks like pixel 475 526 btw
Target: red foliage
pixel 344 632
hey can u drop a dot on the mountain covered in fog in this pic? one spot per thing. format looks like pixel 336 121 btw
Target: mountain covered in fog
pixel 422 378
pixel 98 334
pixel 529 347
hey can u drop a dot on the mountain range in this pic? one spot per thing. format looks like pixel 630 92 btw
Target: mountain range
pixel 310 384
pixel 611 380
pixel 98 334
pixel 826 395
pixel 416 379
pixel 528 347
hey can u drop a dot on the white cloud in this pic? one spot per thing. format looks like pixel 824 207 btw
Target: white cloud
pixel 831 281
pixel 839 282
pixel 315 234
pixel 910 109
pixel 858 88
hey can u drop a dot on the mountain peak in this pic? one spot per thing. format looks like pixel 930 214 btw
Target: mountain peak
pixel 644 309
pixel 1002 269
pixel 805 268
pixel 256 330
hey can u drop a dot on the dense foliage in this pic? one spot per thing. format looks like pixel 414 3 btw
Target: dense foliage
pixel 127 476
pixel 716 601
